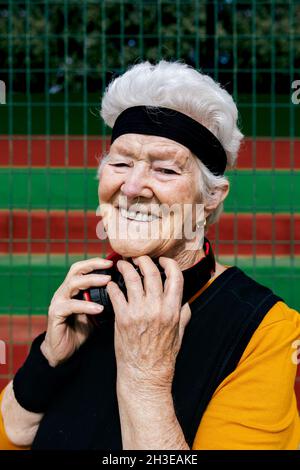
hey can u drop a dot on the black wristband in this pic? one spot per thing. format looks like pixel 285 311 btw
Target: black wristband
pixel 36 382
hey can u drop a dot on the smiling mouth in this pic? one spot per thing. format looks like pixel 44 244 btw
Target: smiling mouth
pixel 137 216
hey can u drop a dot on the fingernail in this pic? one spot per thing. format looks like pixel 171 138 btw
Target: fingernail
pixel 97 308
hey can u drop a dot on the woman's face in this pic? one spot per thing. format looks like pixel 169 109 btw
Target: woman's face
pixel 164 175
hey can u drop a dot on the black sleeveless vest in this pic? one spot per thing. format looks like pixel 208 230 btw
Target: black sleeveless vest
pixel 84 414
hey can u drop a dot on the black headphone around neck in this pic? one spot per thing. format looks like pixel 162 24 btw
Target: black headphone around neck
pixel 195 278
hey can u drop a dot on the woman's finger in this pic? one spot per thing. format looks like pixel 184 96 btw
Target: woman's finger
pixel 68 307
pixel 185 316
pixel 173 287
pixel 152 281
pixel 117 298
pixel 85 281
pixel 132 279
pixel 86 266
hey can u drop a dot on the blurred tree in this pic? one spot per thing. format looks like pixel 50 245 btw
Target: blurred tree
pixel 90 40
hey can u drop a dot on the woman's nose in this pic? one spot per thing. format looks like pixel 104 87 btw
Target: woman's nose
pixel 136 183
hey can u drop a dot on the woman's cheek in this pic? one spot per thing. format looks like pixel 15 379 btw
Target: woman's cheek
pixel 176 193
pixel 103 192
pixel 108 185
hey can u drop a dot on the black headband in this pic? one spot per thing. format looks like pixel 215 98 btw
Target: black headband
pixel 165 122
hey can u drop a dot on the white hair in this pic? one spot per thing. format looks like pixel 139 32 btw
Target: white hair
pixel 178 86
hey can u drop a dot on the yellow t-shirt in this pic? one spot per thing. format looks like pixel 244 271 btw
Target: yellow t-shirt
pixel 255 406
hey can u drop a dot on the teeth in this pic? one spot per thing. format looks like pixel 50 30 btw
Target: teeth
pixel 140 217
pixel 137 216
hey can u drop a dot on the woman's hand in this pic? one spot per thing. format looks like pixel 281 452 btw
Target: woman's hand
pixel 64 337
pixel 149 326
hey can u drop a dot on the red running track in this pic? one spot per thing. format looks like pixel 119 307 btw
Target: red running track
pixel 75 232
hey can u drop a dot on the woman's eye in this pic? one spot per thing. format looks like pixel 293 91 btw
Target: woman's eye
pixel 119 164
pixel 167 171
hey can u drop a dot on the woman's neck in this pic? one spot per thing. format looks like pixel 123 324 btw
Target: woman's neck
pixel 186 255
pixel 187 258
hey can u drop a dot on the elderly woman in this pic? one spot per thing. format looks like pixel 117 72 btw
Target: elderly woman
pixel 195 354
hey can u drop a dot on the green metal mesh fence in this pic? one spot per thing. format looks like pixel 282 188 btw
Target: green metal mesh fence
pixel 56 57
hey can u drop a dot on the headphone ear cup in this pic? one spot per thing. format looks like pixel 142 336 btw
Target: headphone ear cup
pixel 104 297
pixel 99 294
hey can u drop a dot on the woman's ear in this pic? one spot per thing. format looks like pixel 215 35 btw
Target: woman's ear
pixel 216 196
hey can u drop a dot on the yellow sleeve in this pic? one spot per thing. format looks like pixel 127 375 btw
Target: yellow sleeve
pixel 5 443
pixel 255 406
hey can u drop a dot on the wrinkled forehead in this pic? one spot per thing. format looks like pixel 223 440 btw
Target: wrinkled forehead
pixel 134 144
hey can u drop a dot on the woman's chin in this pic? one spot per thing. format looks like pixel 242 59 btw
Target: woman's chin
pixel 131 249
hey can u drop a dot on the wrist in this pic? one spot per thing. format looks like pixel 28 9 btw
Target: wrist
pixel 38 380
pixel 145 391
pixel 134 381
pixel 46 353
